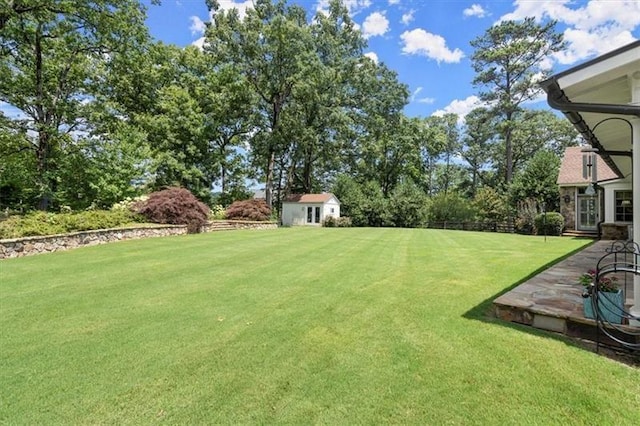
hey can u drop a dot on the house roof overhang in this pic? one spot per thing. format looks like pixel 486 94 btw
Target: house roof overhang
pixel 596 98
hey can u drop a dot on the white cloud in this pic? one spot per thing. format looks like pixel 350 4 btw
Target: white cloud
pixel 373 56
pixel 475 10
pixel 426 100
pixel 353 6
pixel 375 24
pixel 197 26
pixel 199 43
pixel 407 18
pixel 583 44
pixel 594 28
pixel 415 93
pixel 420 42
pixel 460 107
pixel 240 6
pixel 392 2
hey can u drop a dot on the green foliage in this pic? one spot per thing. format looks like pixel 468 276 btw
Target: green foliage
pixel 51 56
pixel 527 210
pixel 538 181
pixel 450 208
pixel 408 206
pixel 607 284
pixel 348 191
pixel 43 223
pixel 490 205
pixel 233 192
pixel 176 206
pixel 337 222
pixel 550 223
pixel 102 171
pixel 252 209
pixel 508 61
pixel 217 212
pixel 17 170
pixel 375 207
pixel 131 204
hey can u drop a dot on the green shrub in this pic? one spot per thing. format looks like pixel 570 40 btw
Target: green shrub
pixel 330 222
pixel 253 209
pixel 43 223
pixel 490 205
pixel 336 222
pixel 217 212
pixel 343 222
pixel 177 206
pixel 450 208
pixel 550 223
pixel 131 204
pixel 527 211
pixel 408 206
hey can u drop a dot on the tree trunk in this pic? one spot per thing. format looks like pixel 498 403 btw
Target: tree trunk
pixel 306 177
pixel 509 157
pixel 268 190
pixel 44 186
pixel 42 123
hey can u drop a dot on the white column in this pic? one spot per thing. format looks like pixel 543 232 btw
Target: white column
pixel 635 124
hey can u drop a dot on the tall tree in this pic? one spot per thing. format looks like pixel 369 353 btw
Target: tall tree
pixel 49 51
pixel 446 131
pixel 508 61
pixel 537 181
pixel 384 151
pixel 273 49
pixel 228 105
pixel 477 144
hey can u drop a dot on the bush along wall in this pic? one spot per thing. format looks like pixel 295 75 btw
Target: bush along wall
pixel 19 247
pixel 551 223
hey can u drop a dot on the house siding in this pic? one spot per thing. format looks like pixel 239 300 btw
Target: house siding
pixel 295 213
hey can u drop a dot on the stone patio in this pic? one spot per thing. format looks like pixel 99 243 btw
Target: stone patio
pixel 552 300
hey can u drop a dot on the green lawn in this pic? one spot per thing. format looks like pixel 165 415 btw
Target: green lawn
pixel 295 325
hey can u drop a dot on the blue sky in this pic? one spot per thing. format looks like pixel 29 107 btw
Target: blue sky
pixel 427 41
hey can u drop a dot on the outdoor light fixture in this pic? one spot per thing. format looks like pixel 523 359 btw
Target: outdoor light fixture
pixel 567 199
pixel 590 191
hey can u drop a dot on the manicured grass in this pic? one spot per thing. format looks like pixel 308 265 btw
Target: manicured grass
pixel 337 326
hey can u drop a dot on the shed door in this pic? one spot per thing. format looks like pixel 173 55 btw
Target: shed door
pixel 311 217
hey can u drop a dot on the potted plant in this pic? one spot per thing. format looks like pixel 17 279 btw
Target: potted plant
pixel 610 297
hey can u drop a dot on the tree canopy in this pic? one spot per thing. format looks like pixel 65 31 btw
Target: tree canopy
pixel 276 97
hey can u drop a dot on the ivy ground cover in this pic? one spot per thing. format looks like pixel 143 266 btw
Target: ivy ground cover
pixel 294 326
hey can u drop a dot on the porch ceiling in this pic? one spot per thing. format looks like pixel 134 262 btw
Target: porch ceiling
pixel 596 97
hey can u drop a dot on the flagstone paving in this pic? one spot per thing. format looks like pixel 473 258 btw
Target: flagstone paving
pixel 552 300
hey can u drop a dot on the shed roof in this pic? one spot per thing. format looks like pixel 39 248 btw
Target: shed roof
pixel 571 168
pixel 310 198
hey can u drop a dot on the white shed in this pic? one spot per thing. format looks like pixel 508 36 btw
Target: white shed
pixel 309 209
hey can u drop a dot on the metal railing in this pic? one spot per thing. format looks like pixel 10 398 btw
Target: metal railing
pixel 622 261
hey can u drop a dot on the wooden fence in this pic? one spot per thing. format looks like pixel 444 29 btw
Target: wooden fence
pixel 503 227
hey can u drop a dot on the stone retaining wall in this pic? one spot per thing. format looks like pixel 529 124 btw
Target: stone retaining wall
pixel 27 246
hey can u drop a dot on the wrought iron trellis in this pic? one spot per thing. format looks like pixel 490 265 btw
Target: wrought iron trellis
pixel 623 257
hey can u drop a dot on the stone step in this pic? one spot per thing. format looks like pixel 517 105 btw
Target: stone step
pixel 580 234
